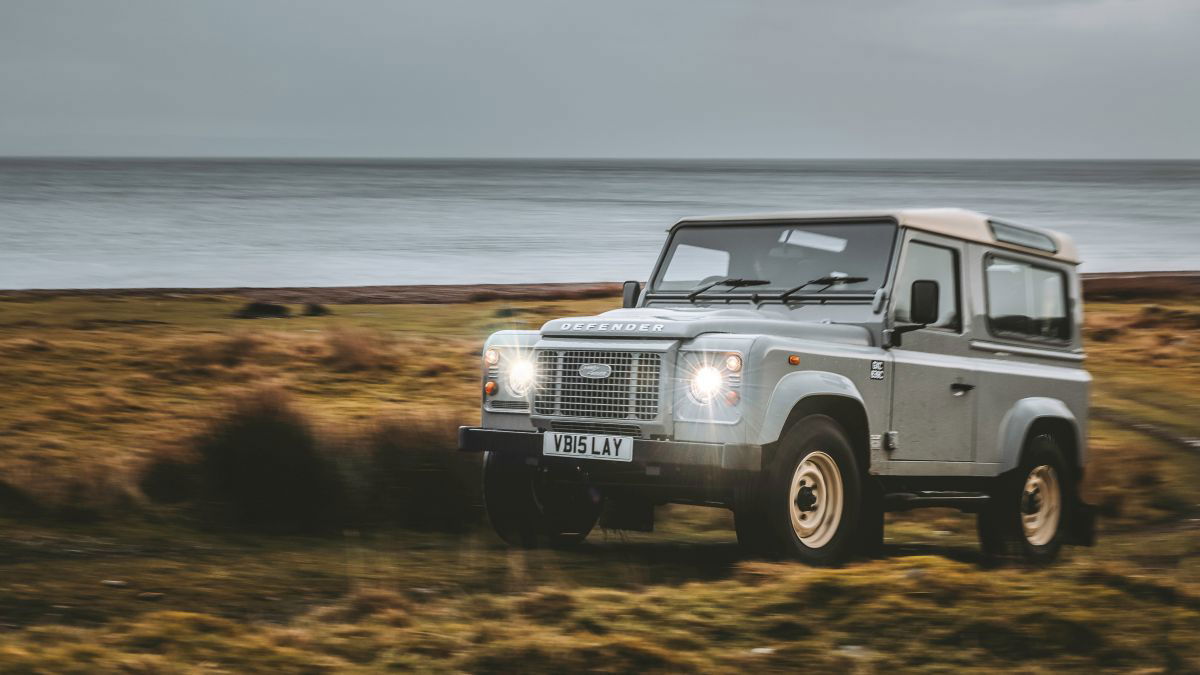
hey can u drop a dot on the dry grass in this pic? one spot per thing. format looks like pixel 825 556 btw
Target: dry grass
pixel 99 388
pixel 415 477
pixel 924 614
pixel 262 465
pixel 354 349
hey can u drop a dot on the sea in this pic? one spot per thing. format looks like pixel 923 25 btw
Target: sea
pixel 122 223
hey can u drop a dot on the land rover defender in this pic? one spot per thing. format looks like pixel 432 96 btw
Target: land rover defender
pixel 809 371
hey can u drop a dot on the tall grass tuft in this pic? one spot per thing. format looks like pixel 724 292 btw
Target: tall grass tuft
pixel 261 468
pixel 417 478
pixel 350 349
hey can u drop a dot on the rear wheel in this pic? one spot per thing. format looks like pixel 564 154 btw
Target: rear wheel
pixel 813 500
pixel 1025 517
pixel 529 510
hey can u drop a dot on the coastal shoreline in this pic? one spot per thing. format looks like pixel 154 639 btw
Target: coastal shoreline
pixel 1097 286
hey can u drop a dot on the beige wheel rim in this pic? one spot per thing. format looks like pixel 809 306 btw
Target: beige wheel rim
pixel 1041 505
pixel 815 499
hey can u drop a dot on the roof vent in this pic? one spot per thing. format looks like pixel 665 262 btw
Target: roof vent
pixel 1013 234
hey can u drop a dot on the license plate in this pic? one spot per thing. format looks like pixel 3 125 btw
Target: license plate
pixel 588 446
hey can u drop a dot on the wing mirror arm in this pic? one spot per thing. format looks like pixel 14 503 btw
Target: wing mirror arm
pixel 892 336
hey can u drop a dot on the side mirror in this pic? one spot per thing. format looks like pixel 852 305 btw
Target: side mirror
pixel 922 309
pixel 923 303
pixel 631 291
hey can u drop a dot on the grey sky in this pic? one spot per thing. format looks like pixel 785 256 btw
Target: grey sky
pixel 647 78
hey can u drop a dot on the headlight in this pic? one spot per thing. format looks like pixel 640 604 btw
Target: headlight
pixel 521 375
pixel 706 383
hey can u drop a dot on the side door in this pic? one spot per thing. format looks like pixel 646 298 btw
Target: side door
pixel 933 405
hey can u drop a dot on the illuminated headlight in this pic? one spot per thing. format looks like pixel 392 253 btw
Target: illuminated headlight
pixel 706 383
pixel 520 376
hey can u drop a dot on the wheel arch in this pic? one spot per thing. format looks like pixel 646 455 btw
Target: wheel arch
pixel 818 393
pixel 1032 417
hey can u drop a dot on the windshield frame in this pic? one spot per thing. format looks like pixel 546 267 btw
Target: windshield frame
pixel 827 295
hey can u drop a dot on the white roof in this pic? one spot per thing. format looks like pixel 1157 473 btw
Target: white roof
pixel 956 223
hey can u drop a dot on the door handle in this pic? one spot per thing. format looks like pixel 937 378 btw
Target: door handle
pixel 960 388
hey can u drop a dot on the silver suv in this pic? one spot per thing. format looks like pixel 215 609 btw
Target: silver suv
pixel 809 371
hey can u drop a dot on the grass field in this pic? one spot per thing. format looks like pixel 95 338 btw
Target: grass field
pixel 95 575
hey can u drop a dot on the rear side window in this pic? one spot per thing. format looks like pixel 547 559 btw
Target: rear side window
pixel 1026 301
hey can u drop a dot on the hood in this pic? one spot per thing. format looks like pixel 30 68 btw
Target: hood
pixel 689 322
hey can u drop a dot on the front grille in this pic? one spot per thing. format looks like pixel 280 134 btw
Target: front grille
pixel 602 428
pixel 629 392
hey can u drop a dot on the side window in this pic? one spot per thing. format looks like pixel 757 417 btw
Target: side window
pixel 926 261
pixel 1026 301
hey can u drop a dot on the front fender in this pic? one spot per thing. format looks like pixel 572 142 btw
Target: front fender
pixel 794 387
pixel 1015 425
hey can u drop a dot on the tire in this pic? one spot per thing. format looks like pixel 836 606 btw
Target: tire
pixel 1026 515
pixel 813 500
pixel 529 511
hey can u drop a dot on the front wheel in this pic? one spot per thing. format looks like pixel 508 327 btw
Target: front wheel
pixel 813 501
pixel 1025 517
pixel 528 510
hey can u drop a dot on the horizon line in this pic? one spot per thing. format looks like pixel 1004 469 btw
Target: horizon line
pixel 514 158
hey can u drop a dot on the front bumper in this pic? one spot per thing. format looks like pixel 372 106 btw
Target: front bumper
pixel 654 462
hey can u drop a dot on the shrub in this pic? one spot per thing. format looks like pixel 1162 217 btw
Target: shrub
pixel 418 479
pixel 262 310
pixel 261 467
pixel 14 501
pixel 169 480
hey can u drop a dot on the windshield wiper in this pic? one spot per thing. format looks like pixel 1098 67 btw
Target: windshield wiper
pixel 829 280
pixel 730 282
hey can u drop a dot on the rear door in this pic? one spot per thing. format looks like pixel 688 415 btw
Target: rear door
pixel 933 404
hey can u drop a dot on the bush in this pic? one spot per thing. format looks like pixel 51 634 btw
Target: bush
pixel 262 310
pixel 261 468
pixel 169 480
pixel 418 479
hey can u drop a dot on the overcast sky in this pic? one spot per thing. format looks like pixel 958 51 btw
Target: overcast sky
pixel 607 78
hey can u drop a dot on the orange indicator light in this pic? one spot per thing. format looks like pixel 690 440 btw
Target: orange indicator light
pixel 489 388
pixel 732 397
pixel 794 359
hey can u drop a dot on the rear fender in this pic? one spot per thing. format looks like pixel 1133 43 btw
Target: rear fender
pixel 1021 417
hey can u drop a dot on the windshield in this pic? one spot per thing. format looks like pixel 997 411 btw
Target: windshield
pixel 782 255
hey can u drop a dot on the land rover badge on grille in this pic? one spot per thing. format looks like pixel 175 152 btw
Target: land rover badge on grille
pixel 595 371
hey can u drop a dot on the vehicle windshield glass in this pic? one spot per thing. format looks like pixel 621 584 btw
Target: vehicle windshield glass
pixel 784 255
